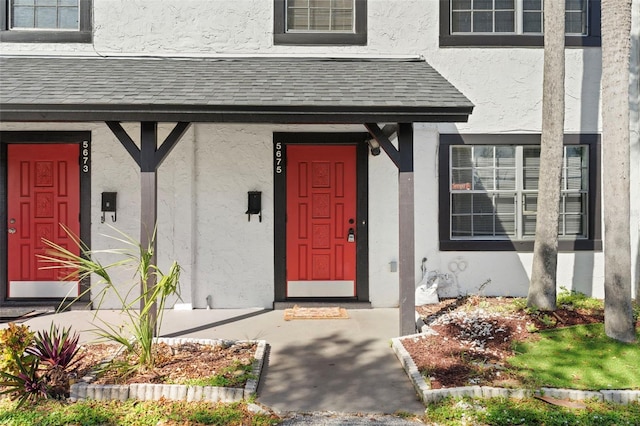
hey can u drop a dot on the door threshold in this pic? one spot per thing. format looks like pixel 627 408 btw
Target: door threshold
pixel 322 304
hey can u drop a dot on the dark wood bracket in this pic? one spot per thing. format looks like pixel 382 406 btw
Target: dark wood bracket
pixel 149 156
pixel 391 151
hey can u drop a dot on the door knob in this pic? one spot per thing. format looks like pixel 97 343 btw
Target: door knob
pixel 12 230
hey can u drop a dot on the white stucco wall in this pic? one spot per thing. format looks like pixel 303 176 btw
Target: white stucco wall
pixel 203 183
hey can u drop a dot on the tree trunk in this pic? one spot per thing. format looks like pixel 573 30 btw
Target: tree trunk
pixel 542 288
pixel 616 34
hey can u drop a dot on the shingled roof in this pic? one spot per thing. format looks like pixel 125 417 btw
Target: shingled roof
pixel 275 90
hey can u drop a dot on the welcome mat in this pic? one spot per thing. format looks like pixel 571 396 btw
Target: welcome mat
pixel 299 313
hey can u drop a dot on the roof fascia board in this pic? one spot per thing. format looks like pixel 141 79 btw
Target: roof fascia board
pixel 17 113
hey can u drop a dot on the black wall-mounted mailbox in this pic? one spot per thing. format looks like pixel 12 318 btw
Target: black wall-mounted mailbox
pixel 254 204
pixel 109 204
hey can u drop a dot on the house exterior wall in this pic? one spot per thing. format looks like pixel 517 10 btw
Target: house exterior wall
pixel 203 183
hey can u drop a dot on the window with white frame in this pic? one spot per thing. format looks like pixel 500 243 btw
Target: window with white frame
pixel 489 191
pixel 46 21
pixel 514 22
pixel 320 22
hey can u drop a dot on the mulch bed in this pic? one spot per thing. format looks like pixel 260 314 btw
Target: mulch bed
pixel 475 336
pixel 174 363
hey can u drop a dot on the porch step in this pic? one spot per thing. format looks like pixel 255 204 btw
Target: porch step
pixel 16 312
pixel 347 305
pixel 19 314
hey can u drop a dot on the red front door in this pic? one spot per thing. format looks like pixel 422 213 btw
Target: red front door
pixel 43 192
pixel 321 220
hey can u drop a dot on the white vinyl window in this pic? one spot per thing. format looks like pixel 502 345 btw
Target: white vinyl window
pixel 44 14
pixel 320 16
pixel 494 191
pixel 512 17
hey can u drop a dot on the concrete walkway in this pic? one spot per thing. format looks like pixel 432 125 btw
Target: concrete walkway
pixel 344 366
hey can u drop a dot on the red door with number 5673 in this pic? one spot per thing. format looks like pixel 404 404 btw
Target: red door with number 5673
pixel 43 193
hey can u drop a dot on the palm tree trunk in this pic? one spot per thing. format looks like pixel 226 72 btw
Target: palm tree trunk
pixel 616 34
pixel 542 288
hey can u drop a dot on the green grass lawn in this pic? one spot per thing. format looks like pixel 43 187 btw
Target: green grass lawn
pixel 530 412
pixel 451 411
pixel 130 413
pixel 579 357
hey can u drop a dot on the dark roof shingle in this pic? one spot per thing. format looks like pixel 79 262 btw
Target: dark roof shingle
pixel 237 89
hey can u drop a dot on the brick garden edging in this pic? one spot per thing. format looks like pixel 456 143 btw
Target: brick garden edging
pixel 153 392
pixel 428 395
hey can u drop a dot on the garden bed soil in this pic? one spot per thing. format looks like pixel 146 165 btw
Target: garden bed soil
pixel 174 363
pixel 475 336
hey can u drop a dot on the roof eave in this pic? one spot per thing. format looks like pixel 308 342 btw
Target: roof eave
pixel 217 114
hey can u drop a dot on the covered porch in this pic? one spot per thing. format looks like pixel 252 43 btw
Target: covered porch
pixel 382 97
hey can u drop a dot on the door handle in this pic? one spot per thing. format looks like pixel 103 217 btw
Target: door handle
pixel 12 230
pixel 351 237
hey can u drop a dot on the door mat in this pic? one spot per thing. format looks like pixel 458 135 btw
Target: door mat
pixel 298 312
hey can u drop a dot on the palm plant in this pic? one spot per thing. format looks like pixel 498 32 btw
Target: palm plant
pixel 142 323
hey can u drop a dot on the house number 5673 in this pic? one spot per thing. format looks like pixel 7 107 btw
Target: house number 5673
pixel 277 158
pixel 85 155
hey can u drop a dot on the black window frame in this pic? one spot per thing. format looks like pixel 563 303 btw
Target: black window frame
pixel 593 242
pixel 83 35
pixel 593 39
pixel 282 37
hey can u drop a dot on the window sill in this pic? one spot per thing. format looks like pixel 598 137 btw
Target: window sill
pixel 485 40
pixel 518 246
pixel 327 39
pixel 17 36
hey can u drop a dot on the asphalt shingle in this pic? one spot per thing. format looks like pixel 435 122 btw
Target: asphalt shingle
pixel 259 83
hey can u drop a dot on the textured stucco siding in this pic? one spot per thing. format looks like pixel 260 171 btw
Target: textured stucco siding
pixel 203 183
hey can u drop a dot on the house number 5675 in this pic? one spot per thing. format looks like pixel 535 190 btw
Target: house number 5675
pixel 277 158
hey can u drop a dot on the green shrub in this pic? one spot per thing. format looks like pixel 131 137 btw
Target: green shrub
pixel 571 299
pixel 14 340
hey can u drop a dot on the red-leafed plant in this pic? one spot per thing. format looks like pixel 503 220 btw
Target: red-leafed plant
pixel 27 384
pixel 57 350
